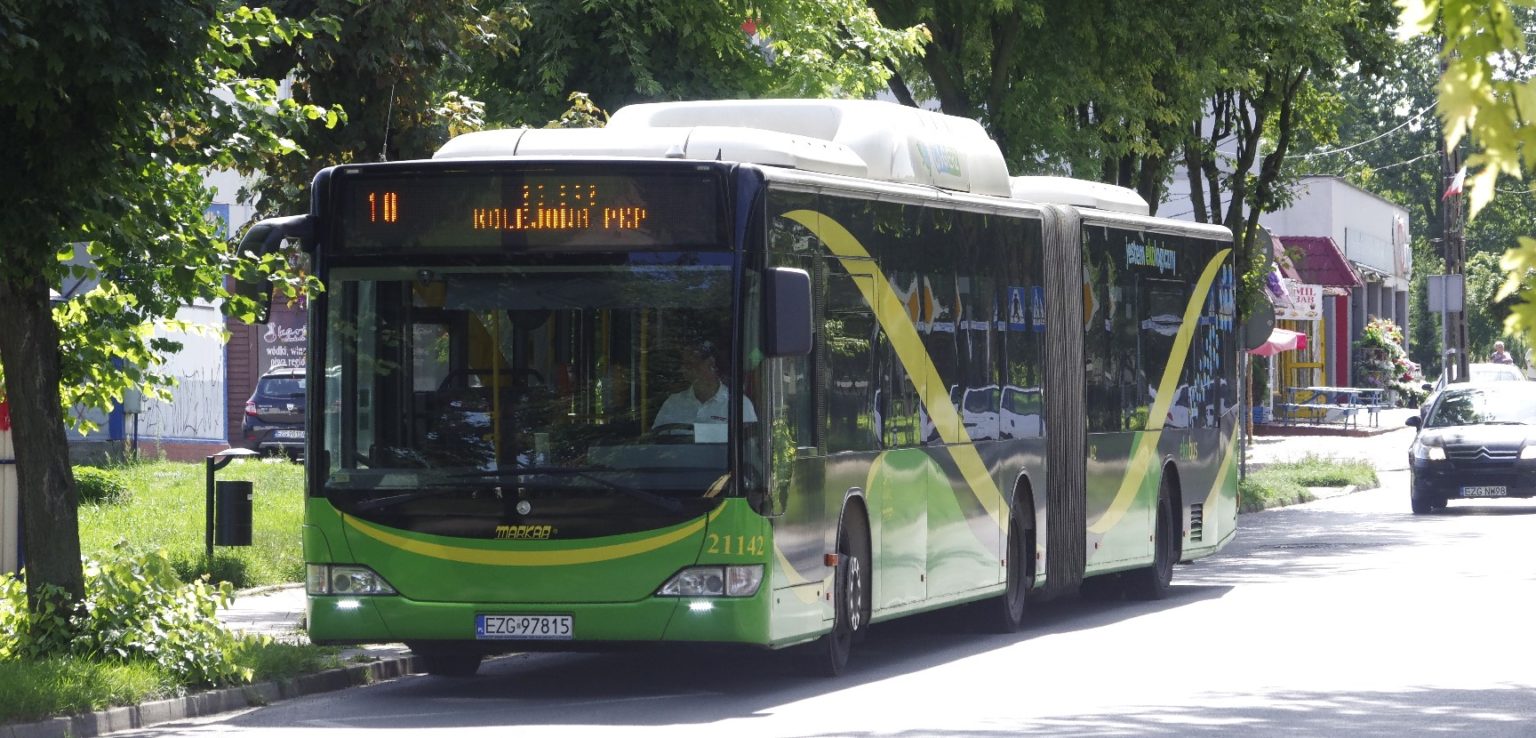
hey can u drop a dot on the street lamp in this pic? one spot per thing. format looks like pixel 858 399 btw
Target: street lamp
pixel 214 463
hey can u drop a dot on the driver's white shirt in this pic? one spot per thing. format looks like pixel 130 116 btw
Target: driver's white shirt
pixel 684 407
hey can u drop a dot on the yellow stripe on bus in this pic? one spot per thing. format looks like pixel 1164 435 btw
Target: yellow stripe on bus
pixel 1225 468
pixel 910 351
pixel 1144 450
pixel 493 557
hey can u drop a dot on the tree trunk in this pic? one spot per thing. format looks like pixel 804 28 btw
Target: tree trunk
pixel 29 350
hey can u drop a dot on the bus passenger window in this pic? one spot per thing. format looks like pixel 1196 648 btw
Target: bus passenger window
pixel 849 358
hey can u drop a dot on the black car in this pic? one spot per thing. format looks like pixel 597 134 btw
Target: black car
pixel 274 416
pixel 1475 441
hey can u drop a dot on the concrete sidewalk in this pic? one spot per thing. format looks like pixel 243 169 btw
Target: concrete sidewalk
pixel 1384 445
pixel 278 612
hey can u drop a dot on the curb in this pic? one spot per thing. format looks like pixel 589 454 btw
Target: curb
pixel 1313 494
pixel 211 702
pixel 266 589
pixel 1323 493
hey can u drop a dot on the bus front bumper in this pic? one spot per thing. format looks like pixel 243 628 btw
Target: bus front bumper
pixel 336 620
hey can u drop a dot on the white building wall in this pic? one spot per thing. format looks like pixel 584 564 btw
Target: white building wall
pixel 195 411
pixel 226 189
pixel 10 504
pixel 1370 231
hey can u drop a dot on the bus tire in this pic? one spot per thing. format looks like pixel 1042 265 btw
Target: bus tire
pixel 1006 612
pixel 1153 582
pixel 828 655
pixel 446 659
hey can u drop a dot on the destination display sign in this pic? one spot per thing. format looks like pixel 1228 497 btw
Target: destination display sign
pixel 472 211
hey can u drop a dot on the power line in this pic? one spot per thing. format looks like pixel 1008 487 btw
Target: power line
pixel 1393 165
pixel 1405 124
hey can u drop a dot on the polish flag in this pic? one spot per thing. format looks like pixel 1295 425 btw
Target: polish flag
pixel 1456 183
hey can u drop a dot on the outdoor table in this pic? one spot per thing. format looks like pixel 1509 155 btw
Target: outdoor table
pixel 1334 403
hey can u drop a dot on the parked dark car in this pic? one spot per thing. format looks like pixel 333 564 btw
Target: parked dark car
pixel 274 416
pixel 1475 441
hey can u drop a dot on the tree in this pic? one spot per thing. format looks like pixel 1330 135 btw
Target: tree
pixel 1266 97
pixel 1485 98
pixel 1086 88
pixel 112 111
pixel 1068 87
pixel 619 52
pixel 1381 124
pixel 401 72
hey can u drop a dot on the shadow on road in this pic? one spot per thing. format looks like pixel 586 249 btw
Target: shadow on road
pixel 703 686
pixel 1435 711
pixel 1319 541
pixel 682 686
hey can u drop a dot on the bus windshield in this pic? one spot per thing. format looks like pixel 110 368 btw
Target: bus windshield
pixel 454 397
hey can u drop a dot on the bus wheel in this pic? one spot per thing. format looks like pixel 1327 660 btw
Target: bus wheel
pixel 850 598
pixel 1007 611
pixel 1152 583
pixel 446 659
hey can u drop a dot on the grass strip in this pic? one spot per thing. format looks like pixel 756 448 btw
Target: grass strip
pixel 1286 483
pixel 33 690
pixel 165 509
pixel 69 685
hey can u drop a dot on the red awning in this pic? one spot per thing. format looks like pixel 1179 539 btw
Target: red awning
pixel 1281 340
pixel 1318 261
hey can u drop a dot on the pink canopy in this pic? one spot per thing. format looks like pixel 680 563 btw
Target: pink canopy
pixel 1281 340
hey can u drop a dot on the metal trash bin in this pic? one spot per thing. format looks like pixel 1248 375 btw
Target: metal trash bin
pixel 233 513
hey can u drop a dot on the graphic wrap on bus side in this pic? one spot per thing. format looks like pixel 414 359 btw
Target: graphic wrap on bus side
pixel 1144 448
pixel 1207 302
pixel 911 365
pixel 1158 348
pixel 909 348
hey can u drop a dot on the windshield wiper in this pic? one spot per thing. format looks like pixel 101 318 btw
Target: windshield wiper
pixel 665 503
pixel 399 499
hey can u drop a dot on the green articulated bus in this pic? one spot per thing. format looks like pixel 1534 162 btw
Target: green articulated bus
pixel 748 372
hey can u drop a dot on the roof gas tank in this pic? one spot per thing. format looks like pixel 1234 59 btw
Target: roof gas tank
pixel 860 138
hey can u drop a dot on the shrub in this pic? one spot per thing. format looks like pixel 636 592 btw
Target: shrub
pixel 100 486
pixel 135 610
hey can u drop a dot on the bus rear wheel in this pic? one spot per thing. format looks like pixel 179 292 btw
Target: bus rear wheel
pixel 447 659
pixel 1007 611
pixel 828 655
pixel 1153 582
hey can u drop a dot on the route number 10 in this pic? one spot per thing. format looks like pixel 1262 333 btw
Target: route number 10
pixel 383 207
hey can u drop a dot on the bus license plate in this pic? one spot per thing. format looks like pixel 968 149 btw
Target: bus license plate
pixel 524 627
pixel 1489 491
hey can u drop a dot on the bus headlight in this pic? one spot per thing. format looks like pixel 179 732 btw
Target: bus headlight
pixel 714 581
pixel 336 579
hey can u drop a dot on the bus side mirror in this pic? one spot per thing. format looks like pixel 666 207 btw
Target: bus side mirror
pixel 788 308
pixel 264 238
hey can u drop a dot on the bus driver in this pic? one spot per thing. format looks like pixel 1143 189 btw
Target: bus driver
pixel 705 399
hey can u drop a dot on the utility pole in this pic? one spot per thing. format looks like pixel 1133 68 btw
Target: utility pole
pixel 1455 253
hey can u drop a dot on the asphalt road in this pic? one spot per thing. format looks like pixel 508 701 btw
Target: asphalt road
pixel 1344 617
